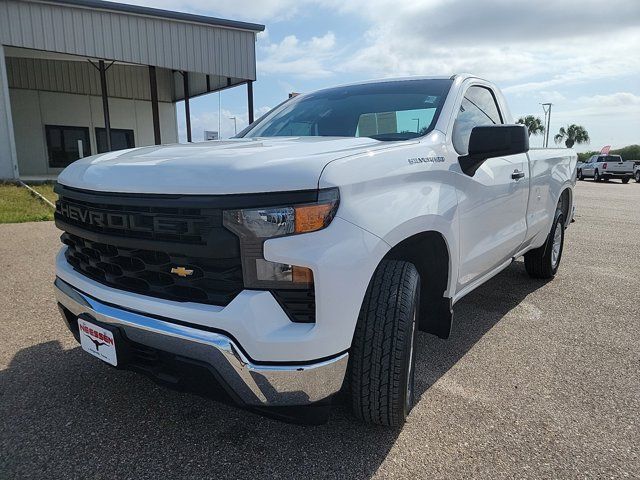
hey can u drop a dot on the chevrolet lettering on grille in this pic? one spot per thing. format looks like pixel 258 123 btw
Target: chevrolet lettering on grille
pixel 128 221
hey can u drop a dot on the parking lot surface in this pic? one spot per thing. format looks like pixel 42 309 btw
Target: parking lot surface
pixel 538 380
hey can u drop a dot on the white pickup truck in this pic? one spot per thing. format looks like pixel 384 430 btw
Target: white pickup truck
pixel 299 259
pixel 606 167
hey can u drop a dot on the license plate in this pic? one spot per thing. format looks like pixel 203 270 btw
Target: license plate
pixel 97 341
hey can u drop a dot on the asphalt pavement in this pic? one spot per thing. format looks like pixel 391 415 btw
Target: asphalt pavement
pixel 538 380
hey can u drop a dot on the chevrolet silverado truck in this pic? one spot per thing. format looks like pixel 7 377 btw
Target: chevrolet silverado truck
pixel 606 167
pixel 298 260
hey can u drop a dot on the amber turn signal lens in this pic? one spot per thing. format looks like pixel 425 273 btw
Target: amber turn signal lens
pixel 301 275
pixel 312 217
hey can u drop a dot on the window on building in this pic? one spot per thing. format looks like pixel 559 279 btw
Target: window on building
pixel 65 143
pixel 120 139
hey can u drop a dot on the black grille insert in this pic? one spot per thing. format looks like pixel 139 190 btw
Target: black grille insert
pixel 214 281
pixel 300 305
pixel 167 224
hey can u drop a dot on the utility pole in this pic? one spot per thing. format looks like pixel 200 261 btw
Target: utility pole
pixel 547 115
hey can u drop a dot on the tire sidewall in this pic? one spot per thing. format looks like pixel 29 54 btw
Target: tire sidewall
pixel 409 367
pixel 558 222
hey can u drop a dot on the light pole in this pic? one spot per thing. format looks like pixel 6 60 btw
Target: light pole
pixel 418 127
pixel 547 115
pixel 235 125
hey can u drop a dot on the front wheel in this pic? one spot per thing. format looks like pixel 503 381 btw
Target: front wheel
pixel 637 176
pixel 544 262
pixel 382 357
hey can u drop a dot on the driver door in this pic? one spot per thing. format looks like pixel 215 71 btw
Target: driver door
pixel 492 204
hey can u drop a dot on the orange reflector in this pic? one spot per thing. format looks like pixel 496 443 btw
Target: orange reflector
pixel 312 217
pixel 301 275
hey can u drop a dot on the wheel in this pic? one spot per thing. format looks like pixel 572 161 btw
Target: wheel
pixel 637 176
pixel 580 175
pixel 543 262
pixel 382 359
pixel 596 176
pixel 625 180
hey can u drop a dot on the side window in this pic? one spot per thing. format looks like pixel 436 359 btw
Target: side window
pixel 478 108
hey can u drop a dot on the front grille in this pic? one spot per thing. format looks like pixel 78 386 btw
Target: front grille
pixel 132 242
pixel 151 222
pixel 213 280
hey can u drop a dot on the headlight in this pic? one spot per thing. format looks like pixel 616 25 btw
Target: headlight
pixel 255 225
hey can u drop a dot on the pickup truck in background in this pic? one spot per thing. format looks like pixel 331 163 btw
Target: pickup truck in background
pixel 606 167
pixel 299 259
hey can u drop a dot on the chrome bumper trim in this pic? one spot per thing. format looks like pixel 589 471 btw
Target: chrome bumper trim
pixel 254 384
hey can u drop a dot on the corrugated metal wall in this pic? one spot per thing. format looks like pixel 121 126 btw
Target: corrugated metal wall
pixel 130 38
pixel 123 81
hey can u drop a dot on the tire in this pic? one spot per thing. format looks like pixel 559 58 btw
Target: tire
pixel 638 176
pixel 580 175
pixel 625 180
pixel 544 262
pixel 382 359
pixel 596 176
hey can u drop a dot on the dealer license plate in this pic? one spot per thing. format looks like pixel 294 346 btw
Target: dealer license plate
pixel 97 341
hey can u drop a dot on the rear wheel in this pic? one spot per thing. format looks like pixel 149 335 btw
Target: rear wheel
pixel 625 180
pixel 544 262
pixel 596 176
pixel 382 358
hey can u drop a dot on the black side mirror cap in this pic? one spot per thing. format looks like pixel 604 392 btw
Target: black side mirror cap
pixel 493 141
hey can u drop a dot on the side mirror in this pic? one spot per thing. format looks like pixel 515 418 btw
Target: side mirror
pixel 493 141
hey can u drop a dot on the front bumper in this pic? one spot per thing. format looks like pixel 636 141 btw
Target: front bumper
pixel 249 383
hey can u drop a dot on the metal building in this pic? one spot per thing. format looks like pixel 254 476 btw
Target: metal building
pixel 80 77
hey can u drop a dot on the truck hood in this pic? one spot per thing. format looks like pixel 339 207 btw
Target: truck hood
pixel 218 167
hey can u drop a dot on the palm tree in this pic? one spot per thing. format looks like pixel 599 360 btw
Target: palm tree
pixel 571 135
pixel 533 124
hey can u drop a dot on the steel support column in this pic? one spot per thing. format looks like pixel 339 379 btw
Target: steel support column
pixel 105 102
pixel 153 84
pixel 187 111
pixel 250 100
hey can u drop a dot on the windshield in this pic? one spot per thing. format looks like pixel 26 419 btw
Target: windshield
pixel 394 110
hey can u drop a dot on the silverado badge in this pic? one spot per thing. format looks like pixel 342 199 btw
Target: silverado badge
pixel 181 271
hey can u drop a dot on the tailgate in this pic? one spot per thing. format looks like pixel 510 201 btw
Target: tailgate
pixel 619 167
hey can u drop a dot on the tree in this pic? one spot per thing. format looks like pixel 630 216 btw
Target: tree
pixel 630 152
pixel 533 124
pixel 571 135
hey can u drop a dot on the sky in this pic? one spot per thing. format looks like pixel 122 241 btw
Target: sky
pixel 581 55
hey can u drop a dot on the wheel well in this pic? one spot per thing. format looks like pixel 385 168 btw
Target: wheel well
pixel 564 203
pixel 429 253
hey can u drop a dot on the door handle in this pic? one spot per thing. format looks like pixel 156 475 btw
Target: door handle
pixel 517 175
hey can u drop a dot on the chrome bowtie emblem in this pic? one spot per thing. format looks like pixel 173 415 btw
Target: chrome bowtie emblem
pixel 181 271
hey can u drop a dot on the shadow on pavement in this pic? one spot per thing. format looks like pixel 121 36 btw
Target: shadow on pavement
pixel 64 414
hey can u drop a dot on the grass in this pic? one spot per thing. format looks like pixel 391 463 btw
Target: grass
pixel 18 205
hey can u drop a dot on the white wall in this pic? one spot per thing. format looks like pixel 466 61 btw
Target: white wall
pixel 8 167
pixel 33 109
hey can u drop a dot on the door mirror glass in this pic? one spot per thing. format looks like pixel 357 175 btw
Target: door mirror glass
pixel 493 141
